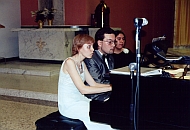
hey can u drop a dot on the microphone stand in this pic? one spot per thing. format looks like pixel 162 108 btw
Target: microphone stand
pixel 131 114
pixel 132 67
pixel 138 55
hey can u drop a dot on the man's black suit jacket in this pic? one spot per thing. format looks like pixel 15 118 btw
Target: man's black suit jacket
pixel 95 66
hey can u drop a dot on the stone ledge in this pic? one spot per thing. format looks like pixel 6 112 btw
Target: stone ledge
pixel 30 68
pixel 29 94
pixel 29 100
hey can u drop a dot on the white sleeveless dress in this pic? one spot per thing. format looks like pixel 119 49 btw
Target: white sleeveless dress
pixel 73 104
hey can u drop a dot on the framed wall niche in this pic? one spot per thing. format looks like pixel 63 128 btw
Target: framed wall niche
pixel 56 4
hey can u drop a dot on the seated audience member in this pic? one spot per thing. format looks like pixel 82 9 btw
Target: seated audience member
pixel 71 88
pixel 102 60
pixel 122 56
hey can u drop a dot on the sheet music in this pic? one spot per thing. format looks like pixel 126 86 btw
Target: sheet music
pixel 175 71
pixel 144 71
pixel 158 39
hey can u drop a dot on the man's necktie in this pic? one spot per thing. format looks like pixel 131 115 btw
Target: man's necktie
pixel 104 57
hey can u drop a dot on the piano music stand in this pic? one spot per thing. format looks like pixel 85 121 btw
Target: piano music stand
pixel 150 57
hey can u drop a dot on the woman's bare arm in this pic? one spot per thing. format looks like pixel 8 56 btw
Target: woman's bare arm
pixel 70 68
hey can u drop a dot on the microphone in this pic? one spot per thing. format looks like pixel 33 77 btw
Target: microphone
pixel 141 21
pixel 132 66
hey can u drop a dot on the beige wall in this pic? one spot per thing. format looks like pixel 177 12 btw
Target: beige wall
pixel 10 18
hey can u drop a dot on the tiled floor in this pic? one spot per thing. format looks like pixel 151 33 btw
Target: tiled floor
pixel 26 97
pixel 21 116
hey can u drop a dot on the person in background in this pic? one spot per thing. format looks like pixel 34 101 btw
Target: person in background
pixel 102 60
pixel 122 56
pixel 71 88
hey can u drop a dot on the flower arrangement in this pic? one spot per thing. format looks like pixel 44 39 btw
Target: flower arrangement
pixel 40 15
pixel 43 14
pixel 50 14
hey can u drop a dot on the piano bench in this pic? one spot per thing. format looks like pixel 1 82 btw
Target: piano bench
pixel 55 121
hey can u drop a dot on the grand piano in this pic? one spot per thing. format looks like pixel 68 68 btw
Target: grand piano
pixel 164 103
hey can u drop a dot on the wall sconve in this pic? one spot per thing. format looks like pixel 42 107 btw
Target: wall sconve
pixel 1 26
